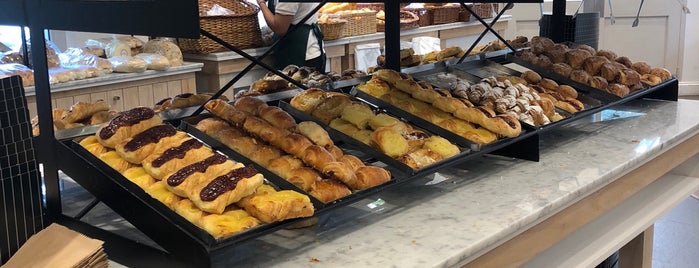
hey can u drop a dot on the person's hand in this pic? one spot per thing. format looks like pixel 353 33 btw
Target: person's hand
pixel 260 2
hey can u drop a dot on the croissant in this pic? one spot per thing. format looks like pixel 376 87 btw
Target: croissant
pixel 277 117
pixel 329 190
pixel 314 132
pixel 370 176
pixel 303 177
pixel 214 194
pixel 264 154
pixel 101 117
pixel 145 143
pixel 249 104
pixel 226 111
pixel 316 157
pixel 160 164
pixel 274 206
pixel 335 151
pixel 342 172
pixel 295 144
pixel 283 165
pixel 388 75
pixel 84 110
pixel 264 130
pixel 126 125
pixel 352 161
pixel 220 126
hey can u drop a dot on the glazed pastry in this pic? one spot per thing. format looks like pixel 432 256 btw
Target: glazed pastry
pixel 93 146
pixel 228 223
pixel 126 125
pixel 303 177
pixel 163 163
pixel 316 157
pixel 650 79
pixel 145 143
pixel 214 194
pixel 263 130
pixel 442 146
pixel 420 158
pixel 295 144
pixel 187 177
pixel 264 154
pixel 357 113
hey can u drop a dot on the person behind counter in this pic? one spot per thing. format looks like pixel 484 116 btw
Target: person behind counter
pixel 304 46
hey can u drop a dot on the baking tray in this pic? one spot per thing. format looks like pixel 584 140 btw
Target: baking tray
pixel 150 215
pixel 188 125
pixel 527 130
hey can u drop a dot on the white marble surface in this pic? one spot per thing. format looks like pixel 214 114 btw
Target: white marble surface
pixel 113 78
pixel 457 214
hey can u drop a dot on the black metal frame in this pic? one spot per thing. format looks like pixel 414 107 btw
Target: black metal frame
pixel 177 19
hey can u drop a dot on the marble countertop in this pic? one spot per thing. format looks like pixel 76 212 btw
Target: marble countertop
pixel 230 55
pixel 455 215
pixel 113 78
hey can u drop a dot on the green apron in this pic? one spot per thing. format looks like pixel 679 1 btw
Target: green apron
pixel 292 50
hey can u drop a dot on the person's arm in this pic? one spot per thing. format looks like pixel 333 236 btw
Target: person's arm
pixel 279 24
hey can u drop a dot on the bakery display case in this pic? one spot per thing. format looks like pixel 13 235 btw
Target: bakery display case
pixel 188 243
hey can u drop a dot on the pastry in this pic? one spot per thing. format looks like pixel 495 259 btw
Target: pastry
pixel 442 146
pixel 567 91
pixel 650 79
pixel 331 107
pixel 277 117
pixel 101 117
pixel 592 64
pixel 531 77
pixel 342 172
pixel 562 69
pixel 188 176
pixel 618 89
pixel 587 48
pixel 143 144
pixel 115 161
pixel 357 113
pixel 263 130
pixel 610 55
pixel 557 53
pixel 624 61
pixel 295 144
pixel 598 82
pixel 163 163
pixel 249 104
pixel 628 77
pixel 314 132
pixel 138 176
pixel 370 176
pixel 580 76
pixel 226 112
pixel 352 161
pixel 214 194
pixel 540 44
pixel 274 206
pixel 374 87
pixel 641 67
pixel 316 157
pixel 663 73
pixel 420 158
pixel 329 190
pixel 84 110
pixel 126 125
pixel 264 154
pixel 575 57
pixel 343 126
pixel 390 142
pixel 303 177
pixel 283 165
pixel 159 191
pixel 609 71
pixel 308 100
pixel 93 146
pixel 228 223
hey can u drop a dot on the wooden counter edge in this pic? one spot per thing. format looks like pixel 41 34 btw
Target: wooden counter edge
pixel 543 235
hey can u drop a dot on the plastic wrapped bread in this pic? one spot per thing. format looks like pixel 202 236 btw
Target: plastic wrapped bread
pixel 166 48
pixel 128 64
pixel 155 61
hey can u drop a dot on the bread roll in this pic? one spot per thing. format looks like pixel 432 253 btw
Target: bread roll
pixel 575 57
pixel 540 44
pixel 562 69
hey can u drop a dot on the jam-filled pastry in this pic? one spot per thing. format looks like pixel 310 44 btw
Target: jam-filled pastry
pixel 183 179
pixel 214 194
pixel 160 164
pixel 150 140
pixel 127 124
pixel 273 206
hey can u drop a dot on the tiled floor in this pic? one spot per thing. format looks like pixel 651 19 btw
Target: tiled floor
pixel 676 237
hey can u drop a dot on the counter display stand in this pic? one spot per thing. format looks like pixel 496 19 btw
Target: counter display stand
pixel 183 241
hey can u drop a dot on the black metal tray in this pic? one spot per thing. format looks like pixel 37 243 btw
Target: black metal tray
pixel 151 216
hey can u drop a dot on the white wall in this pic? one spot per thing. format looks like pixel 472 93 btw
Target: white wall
pixel 690 60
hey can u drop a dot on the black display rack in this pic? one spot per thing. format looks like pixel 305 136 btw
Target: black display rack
pixel 184 244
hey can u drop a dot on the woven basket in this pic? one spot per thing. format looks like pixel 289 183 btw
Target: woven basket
pixel 359 23
pixel 241 30
pixel 464 15
pixel 332 30
pixel 485 10
pixel 444 14
pixel 424 17
pixel 408 20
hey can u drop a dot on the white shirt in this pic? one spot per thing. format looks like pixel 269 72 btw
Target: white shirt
pixel 299 11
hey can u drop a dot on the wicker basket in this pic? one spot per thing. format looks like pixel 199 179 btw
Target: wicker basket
pixel 424 17
pixel 464 15
pixel 408 20
pixel 444 14
pixel 332 30
pixel 359 23
pixel 485 10
pixel 241 30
